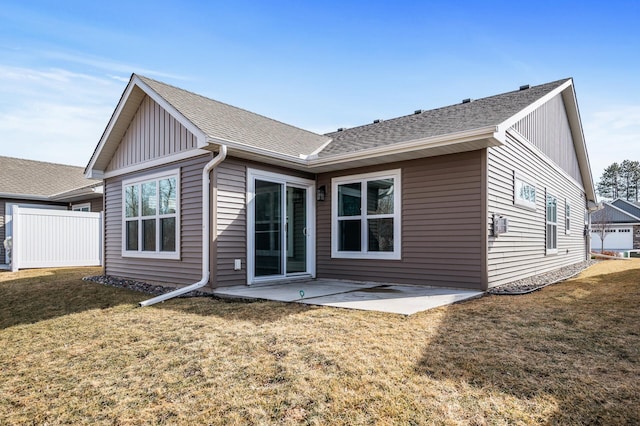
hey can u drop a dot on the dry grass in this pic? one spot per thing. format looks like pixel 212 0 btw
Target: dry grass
pixel 77 352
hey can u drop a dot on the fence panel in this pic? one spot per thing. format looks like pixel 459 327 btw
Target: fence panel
pixel 54 238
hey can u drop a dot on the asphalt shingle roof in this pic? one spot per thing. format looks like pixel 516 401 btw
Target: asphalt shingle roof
pixel 436 122
pixel 219 120
pixel 38 178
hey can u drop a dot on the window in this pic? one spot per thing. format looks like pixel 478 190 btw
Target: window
pixel 567 217
pixel 552 224
pixel 86 207
pixel 366 216
pixel 151 216
pixel 524 191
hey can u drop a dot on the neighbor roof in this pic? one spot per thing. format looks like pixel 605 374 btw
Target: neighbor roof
pixel 221 121
pixel 613 214
pixel 461 117
pixel 38 179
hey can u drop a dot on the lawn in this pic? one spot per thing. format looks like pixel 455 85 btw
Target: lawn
pixel 76 352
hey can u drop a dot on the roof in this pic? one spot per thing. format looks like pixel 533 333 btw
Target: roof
pixel 39 179
pixel 457 118
pixel 613 214
pixel 228 123
pixel 628 206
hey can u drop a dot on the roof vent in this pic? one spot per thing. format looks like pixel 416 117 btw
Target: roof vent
pixel 525 87
pixel 377 120
pixel 466 101
pixel 341 129
pixel 418 111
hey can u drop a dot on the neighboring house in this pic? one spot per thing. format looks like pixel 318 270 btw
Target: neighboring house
pixel 621 221
pixel 471 195
pixel 38 184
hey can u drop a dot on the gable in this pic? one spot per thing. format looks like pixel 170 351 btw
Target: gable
pixel 627 207
pixel 547 127
pixel 612 214
pixel 153 133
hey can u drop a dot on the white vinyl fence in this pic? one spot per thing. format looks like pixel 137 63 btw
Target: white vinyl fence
pixel 53 238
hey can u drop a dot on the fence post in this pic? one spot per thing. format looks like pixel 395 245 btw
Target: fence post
pixel 102 239
pixel 15 239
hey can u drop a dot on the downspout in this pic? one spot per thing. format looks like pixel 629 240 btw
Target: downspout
pixel 206 235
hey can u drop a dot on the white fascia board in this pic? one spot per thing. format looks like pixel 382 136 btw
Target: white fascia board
pixel 107 131
pixel 24 196
pixel 156 162
pixel 490 132
pixel 232 145
pixel 201 137
pixel 626 213
pixel 533 106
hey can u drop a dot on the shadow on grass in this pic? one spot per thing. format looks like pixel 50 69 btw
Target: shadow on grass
pixel 576 343
pixel 257 312
pixel 37 295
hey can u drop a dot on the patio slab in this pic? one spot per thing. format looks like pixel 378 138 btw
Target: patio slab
pixel 392 298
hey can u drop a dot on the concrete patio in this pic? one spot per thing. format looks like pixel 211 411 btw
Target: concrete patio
pixel 392 298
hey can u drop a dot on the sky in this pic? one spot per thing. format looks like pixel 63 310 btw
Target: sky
pixel 315 65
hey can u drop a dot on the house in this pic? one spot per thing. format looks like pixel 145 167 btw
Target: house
pixel 620 220
pixel 38 184
pixel 472 195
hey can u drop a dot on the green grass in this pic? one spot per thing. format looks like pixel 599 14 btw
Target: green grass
pixel 76 352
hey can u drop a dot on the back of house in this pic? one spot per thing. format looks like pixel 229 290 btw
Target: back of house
pixel 471 195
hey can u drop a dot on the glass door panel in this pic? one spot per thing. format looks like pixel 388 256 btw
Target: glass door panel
pixel 296 226
pixel 268 228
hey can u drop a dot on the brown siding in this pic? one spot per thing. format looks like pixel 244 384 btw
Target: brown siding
pixel 442 230
pixel 521 252
pixel 230 183
pixel 96 205
pixel 184 271
pixel 153 133
pixel 547 128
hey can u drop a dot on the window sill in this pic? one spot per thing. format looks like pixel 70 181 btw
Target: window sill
pixel 526 206
pixel 152 255
pixel 551 252
pixel 366 256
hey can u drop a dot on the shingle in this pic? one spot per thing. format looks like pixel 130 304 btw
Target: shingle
pixel 219 120
pixel 437 122
pixel 38 178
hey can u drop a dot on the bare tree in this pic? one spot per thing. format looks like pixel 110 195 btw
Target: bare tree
pixel 601 221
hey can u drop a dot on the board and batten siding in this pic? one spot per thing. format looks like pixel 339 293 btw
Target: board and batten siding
pixel 521 252
pixel 188 269
pixel 443 239
pixel 547 128
pixel 153 133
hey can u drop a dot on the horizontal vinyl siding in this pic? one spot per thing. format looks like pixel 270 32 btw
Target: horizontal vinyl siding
pixel 521 252
pixel 548 129
pixel 442 230
pixel 188 269
pixel 231 222
pixel 153 133
pixel 96 205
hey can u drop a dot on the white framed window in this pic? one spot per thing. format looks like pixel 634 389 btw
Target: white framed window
pixel 151 215
pixel 567 217
pixel 365 216
pixel 84 207
pixel 552 224
pixel 524 191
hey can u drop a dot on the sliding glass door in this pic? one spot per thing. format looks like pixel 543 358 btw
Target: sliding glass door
pixel 280 213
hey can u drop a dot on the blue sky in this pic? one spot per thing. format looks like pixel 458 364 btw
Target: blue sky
pixel 319 66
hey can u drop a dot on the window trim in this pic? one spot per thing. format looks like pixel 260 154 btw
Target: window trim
pixel 517 176
pixel 553 250
pixel 139 180
pixel 363 178
pixel 80 207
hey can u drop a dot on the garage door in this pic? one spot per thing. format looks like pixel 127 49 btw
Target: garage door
pixel 617 239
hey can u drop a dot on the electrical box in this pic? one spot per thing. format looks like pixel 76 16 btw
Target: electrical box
pixel 500 225
pixel 237 264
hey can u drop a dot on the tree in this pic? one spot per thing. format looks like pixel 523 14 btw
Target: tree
pixel 629 176
pixel 601 223
pixel 610 182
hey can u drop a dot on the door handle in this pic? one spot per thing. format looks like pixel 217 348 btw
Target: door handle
pixel 304 231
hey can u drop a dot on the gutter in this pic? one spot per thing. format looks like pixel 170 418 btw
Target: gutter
pixel 206 235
